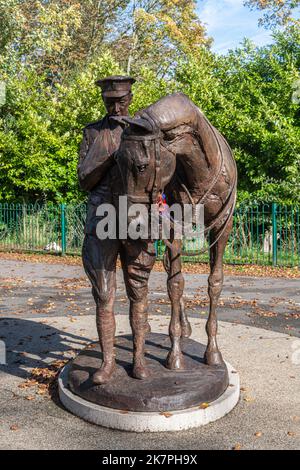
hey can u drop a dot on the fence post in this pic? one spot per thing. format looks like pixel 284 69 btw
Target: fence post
pixel 63 229
pixel 274 233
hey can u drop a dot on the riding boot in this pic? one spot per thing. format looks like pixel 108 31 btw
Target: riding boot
pixel 138 322
pixel 106 330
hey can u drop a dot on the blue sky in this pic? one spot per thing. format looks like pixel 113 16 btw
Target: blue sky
pixel 228 22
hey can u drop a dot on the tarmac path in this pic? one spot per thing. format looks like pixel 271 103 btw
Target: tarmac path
pixel 47 313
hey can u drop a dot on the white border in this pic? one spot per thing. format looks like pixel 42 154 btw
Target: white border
pixel 150 421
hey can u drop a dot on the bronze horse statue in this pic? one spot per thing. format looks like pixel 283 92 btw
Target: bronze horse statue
pixel 171 147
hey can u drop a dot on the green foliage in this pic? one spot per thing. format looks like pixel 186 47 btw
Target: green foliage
pixel 157 33
pixel 41 128
pixel 51 55
pixel 251 96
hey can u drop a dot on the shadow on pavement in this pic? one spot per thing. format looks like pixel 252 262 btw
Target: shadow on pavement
pixel 30 344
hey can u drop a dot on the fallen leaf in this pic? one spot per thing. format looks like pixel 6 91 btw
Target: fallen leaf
pixel 237 446
pixel 248 399
pixel 14 427
pixel 203 406
pixel 192 268
pixel 258 434
pixel 166 414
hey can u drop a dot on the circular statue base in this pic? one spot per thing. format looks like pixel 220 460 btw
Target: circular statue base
pixel 166 401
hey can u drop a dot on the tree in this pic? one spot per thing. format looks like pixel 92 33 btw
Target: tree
pixel 157 33
pixel 250 96
pixel 51 55
pixel 58 36
pixel 278 12
pixel 51 52
pixel 41 128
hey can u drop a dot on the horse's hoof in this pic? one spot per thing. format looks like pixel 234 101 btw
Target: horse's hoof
pixel 213 358
pixel 186 330
pixel 175 361
pixel 147 328
pixel 140 372
pixel 103 376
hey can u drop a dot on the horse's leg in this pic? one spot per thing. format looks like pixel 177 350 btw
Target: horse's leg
pixel 138 258
pixel 215 284
pixel 99 259
pixel 186 329
pixel 175 358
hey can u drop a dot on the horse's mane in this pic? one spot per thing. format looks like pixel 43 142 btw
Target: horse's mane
pixel 173 111
pixel 178 112
pixel 176 115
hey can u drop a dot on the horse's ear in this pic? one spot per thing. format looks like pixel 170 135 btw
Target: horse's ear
pixel 140 123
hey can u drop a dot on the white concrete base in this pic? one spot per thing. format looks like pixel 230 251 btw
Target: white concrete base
pixel 150 422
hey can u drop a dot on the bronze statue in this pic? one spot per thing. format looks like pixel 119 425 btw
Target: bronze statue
pixel 168 147
pixel 96 164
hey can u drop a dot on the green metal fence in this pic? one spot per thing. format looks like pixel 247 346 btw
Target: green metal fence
pixel 262 234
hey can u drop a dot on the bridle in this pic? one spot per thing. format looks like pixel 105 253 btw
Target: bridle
pixel 156 180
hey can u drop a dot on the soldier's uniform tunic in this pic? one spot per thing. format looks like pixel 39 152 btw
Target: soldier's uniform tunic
pixel 100 140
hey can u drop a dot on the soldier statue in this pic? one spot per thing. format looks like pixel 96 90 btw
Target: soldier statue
pixel 100 142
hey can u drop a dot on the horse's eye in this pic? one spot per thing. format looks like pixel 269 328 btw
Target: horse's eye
pixel 141 168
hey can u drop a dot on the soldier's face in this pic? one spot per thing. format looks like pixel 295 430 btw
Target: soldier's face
pixel 117 106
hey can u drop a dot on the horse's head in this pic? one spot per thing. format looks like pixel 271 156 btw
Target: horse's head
pixel 145 164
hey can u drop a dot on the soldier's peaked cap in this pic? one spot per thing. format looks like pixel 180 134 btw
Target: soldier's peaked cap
pixel 115 86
